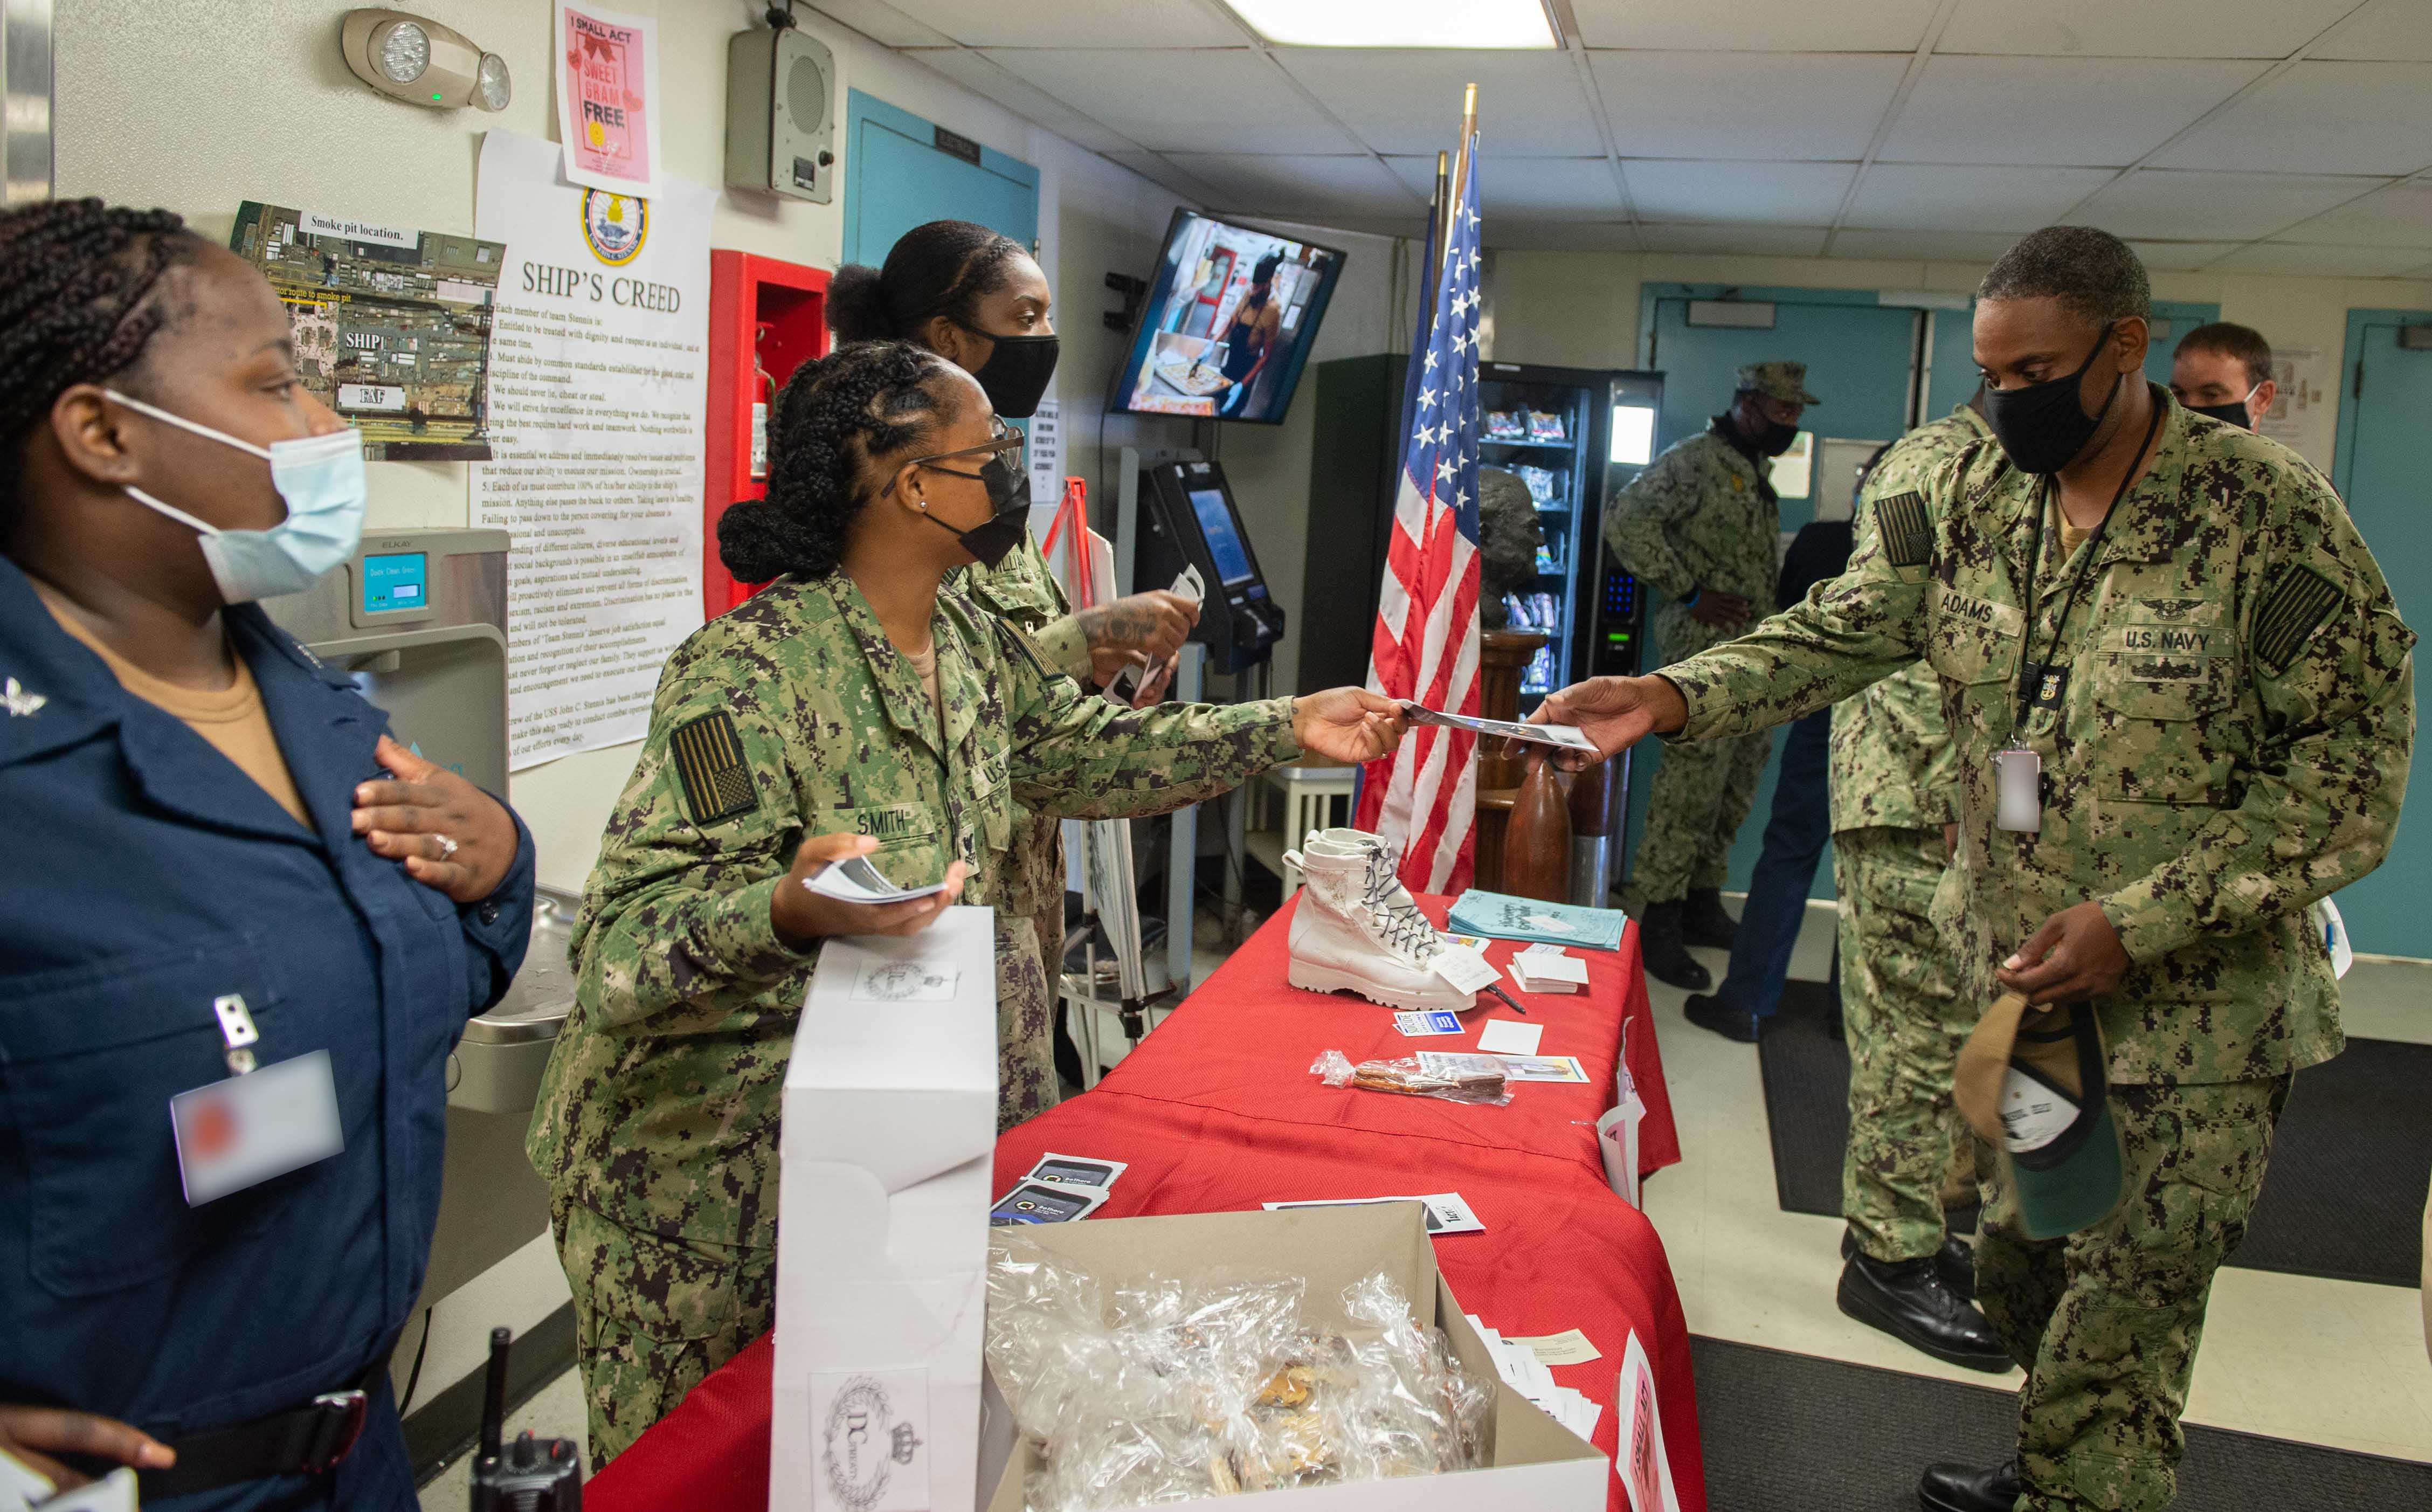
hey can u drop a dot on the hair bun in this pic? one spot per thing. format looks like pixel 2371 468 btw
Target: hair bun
pixel 758 542
pixel 856 305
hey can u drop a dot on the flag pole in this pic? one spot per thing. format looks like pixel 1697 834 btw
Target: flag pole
pixel 1436 224
pixel 1468 130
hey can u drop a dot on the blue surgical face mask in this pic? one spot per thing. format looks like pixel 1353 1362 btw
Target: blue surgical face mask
pixel 321 479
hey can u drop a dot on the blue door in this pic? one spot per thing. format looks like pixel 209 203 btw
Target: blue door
pixel 1858 353
pixel 2380 472
pixel 897 177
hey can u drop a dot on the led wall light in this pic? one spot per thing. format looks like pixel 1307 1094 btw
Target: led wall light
pixel 412 58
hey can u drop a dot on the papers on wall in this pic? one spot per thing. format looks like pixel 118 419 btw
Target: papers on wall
pixel 1045 430
pixel 598 410
pixel 608 99
pixel 1516 1361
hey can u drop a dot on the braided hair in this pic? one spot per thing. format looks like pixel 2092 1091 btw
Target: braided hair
pixel 869 400
pixel 943 268
pixel 77 286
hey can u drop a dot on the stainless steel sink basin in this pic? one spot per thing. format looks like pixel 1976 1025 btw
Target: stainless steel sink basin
pixel 497 1061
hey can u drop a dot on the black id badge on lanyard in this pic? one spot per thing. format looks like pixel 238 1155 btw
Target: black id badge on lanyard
pixel 255 1124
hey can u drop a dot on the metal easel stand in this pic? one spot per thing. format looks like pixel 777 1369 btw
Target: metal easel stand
pixel 1110 903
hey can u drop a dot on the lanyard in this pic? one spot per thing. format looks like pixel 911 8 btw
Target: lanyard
pixel 2030 670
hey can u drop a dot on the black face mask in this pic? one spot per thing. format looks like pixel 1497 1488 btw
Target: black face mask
pixel 2043 427
pixel 1015 376
pixel 1008 494
pixel 2233 412
pixel 1778 438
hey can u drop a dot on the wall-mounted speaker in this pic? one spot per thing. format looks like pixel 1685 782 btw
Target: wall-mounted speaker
pixel 781 114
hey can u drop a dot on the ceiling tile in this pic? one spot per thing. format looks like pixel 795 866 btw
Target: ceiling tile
pixel 1305 186
pixel 2096 111
pixel 1804 106
pixel 1927 196
pixel 1077 22
pixel 2320 118
pixel 1158 169
pixel 882 23
pixel 2171 205
pixel 2391 29
pixel 2180 256
pixel 1186 101
pixel 1561 235
pixel 1537 188
pixel 1931 247
pixel 2147 29
pixel 976 72
pixel 1529 104
pixel 2321 261
pixel 2400 216
pixel 1769 193
pixel 1756 26
pixel 1750 241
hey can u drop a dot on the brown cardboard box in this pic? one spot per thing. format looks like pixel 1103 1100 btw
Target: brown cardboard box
pixel 1533 1463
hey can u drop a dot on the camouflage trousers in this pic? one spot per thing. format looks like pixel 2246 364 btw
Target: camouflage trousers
pixel 1702 793
pixel 1906 1020
pixel 2107 1320
pixel 653 1317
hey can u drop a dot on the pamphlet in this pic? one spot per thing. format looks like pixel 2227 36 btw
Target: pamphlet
pixel 855 880
pixel 1509 918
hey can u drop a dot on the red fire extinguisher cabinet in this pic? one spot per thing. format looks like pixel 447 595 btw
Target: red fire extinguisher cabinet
pixel 749 293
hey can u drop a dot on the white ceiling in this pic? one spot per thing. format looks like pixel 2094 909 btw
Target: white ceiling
pixel 2282 136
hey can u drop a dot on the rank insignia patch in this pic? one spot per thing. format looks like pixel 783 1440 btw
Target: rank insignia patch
pixel 2294 606
pixel 709 763
pixel 1908 535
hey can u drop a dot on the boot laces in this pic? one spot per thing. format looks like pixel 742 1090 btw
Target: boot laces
pixel 1406 929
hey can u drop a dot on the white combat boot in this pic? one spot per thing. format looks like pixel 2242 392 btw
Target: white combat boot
pixel 1358 930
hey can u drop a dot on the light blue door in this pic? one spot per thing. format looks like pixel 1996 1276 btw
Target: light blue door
pixel 1858 355
pixel 2380 472
pixel 897 177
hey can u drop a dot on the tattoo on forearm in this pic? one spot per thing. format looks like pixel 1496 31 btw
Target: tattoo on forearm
pixel 1116 627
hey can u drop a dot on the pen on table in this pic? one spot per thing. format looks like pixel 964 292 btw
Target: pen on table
pixel 1509 1001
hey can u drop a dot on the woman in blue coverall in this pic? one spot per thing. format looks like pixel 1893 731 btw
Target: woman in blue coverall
pixel 220 860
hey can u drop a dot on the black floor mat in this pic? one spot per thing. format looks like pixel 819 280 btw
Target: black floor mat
pixel 2343 1198
pixel 1792 1433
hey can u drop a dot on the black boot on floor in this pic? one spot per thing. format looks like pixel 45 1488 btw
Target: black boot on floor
pixel 1730 1023
pixel 1955 1262
pixel 1966 1488
pixel 1910 1300
pixel 1703 921
pixel 1667 958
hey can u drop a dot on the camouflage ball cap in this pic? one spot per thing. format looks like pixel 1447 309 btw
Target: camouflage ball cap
pixel 1786 382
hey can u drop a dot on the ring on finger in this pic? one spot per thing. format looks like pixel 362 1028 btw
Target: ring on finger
pixel 448 847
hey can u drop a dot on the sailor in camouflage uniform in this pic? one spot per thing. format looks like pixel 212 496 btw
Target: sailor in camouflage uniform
pixel 1704 524
pixel 794 731
pixel 1905 1018
pixel 2223 733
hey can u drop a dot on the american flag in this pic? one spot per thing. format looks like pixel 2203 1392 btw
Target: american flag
pixel 1425 796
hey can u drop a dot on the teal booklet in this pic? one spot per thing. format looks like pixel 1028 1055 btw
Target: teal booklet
pixel 1504 917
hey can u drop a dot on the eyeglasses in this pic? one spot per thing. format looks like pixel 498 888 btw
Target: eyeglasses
pixel 1004 440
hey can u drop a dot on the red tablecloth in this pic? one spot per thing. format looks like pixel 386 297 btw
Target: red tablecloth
pixel 1216 1111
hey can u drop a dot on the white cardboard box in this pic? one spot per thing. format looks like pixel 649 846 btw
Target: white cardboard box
pixel 890 1128
pixel 1534 1462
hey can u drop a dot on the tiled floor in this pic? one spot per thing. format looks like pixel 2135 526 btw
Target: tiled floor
pixel 2329 1361
pixel 2337 1363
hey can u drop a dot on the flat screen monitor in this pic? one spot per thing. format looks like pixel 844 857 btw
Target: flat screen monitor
pixel 1227 324
pixel 1215 514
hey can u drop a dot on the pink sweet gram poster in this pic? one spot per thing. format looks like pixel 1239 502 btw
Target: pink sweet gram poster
pixel 607 98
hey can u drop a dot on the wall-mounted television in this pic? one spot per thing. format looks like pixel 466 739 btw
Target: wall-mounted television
pixel 1227 324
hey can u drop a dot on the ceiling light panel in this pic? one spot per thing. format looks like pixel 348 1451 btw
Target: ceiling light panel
pixel 1192 101
pixel 1928 197
pixel 2148 29
pixel 1073 23
pixel 1530 105
pixel 1756 26
pixel 1464 24
pixel 1803 105
pixel 2094 111
pixel 2320 118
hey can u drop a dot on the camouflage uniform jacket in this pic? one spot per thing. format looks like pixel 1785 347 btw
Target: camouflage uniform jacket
pixel 1891 755
pixel 1022 589
pixel 1702 516
pixel 789 716
pixel 2231 744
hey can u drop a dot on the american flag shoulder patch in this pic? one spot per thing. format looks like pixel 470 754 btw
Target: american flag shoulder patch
pixel 710 767
pixel 2294 605
pixel 1906 530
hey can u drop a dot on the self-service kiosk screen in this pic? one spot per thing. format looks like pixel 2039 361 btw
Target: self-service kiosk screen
pixel 397 582
pixel 1224 536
